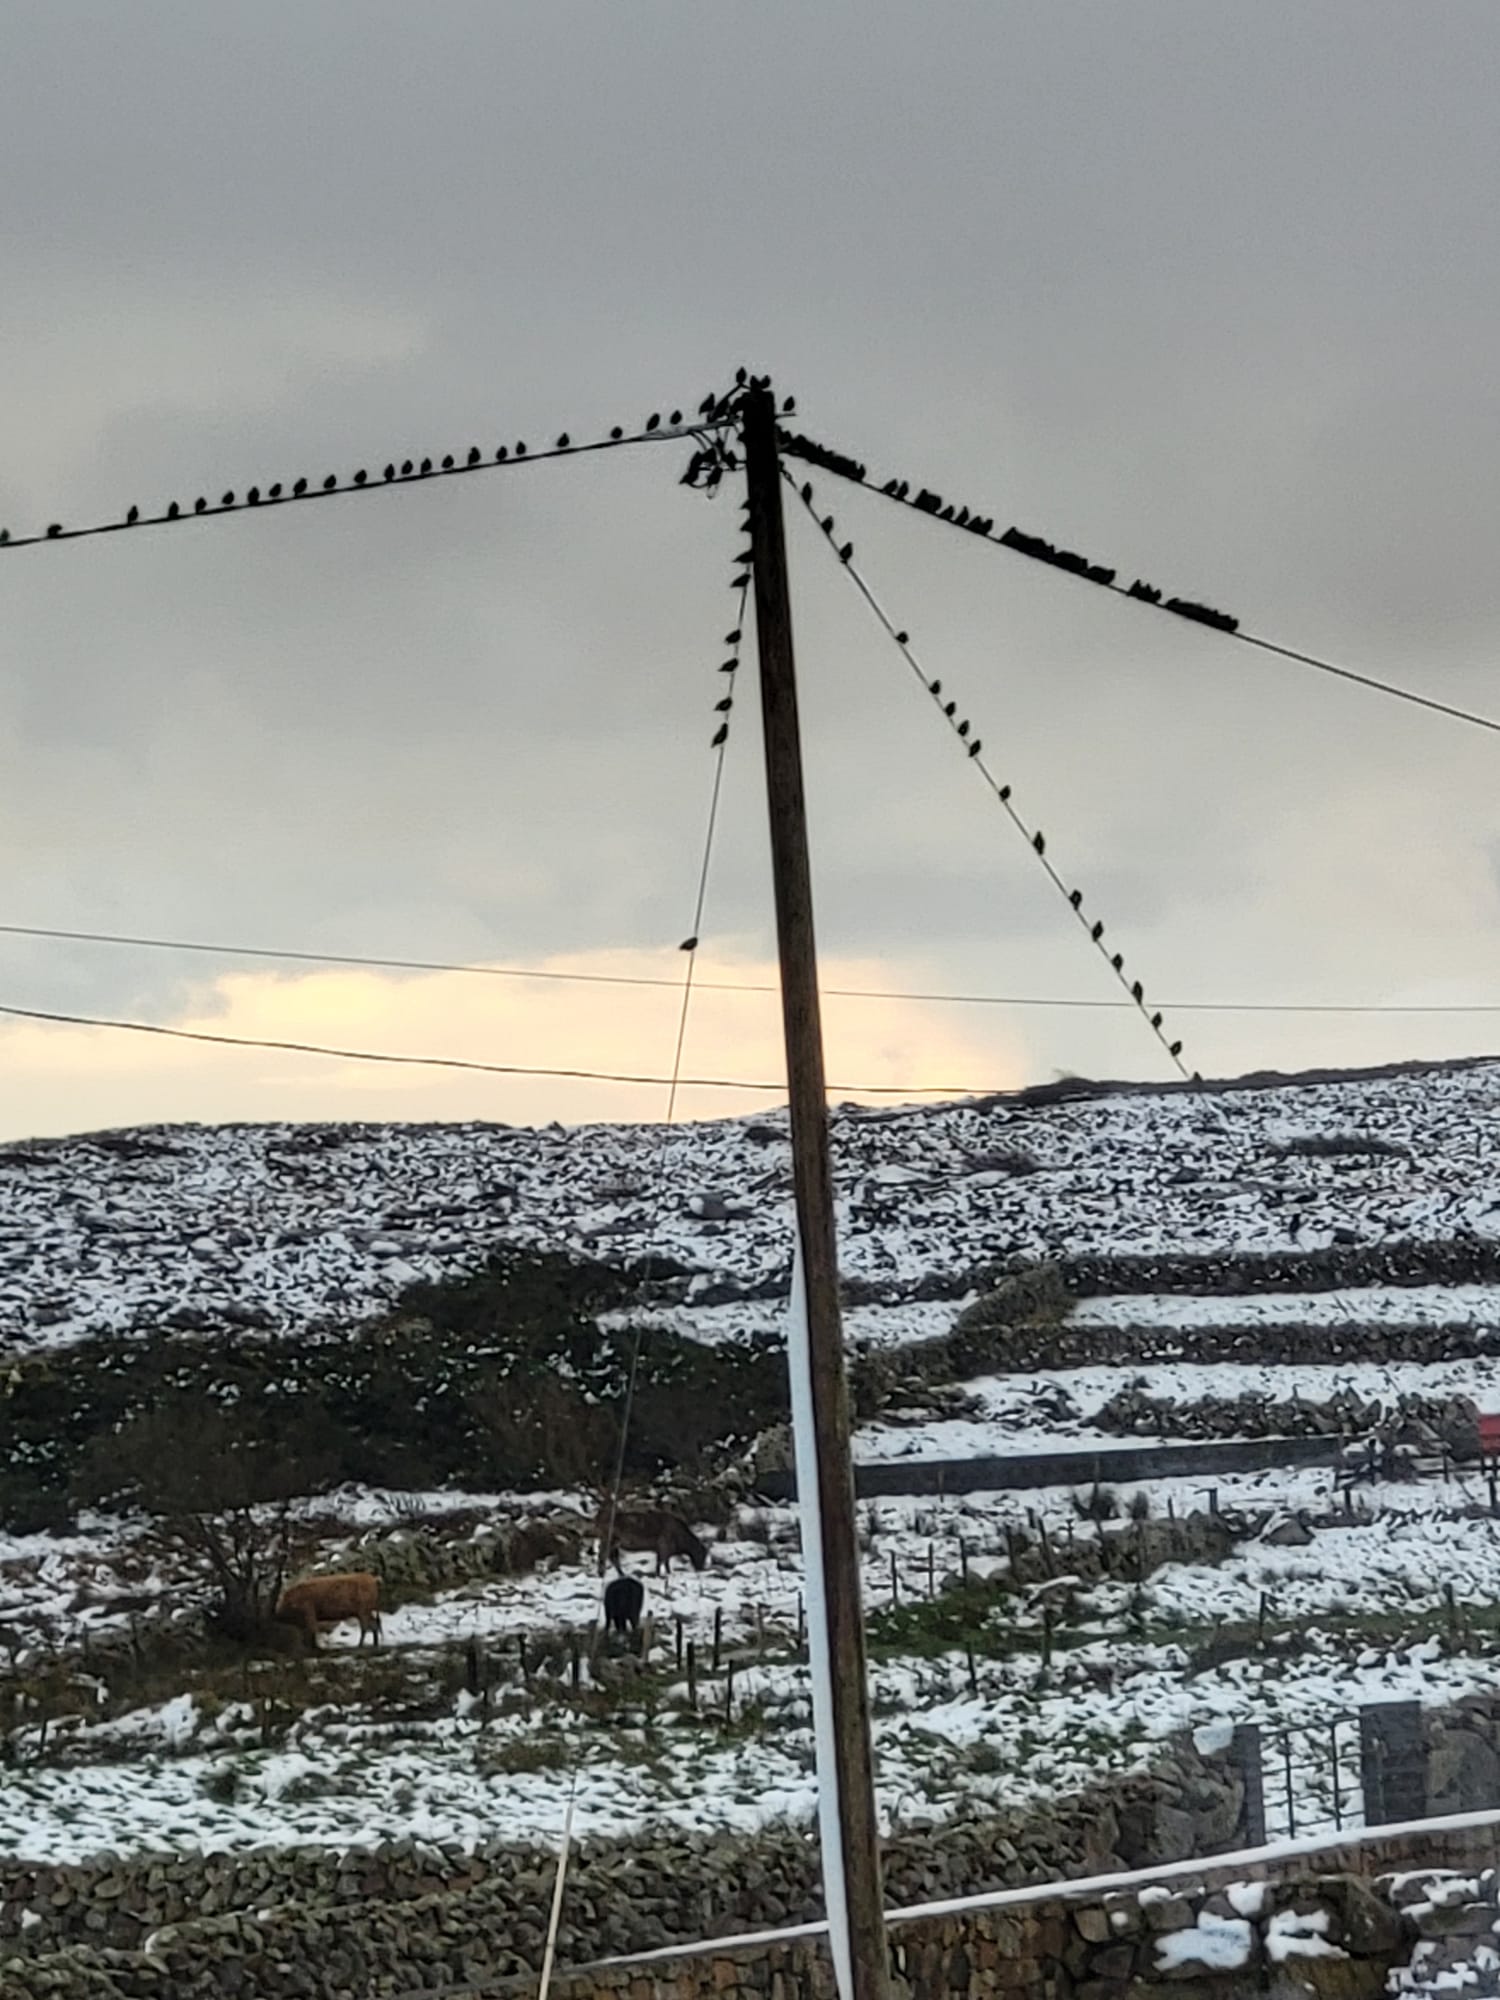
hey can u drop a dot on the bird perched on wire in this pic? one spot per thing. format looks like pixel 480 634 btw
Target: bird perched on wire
pixel 1038 841
pixel 723 707
pixel 563 441
pixel 299 487
pixel 653 422
pixel 133 516
pixel 721 735
pixel 473 458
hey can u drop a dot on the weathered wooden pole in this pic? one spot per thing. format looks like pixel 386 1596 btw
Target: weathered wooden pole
pixel 851 1853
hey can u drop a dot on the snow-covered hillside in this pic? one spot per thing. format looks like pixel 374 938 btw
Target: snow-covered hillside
pixel 295 1226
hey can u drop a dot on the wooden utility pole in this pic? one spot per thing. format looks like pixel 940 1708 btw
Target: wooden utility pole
pixel 813 1181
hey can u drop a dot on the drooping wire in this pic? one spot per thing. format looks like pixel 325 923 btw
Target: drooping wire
pixel 473 971
pixel 58 1019
pixel 712 474
pixel 1038 549
pixel 720 747
pixel 962 730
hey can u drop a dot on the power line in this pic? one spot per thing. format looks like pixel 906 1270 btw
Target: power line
pixel 523 972
pixel 974 748
pixel 483 1068
pixel 1038 549
pixel 716 414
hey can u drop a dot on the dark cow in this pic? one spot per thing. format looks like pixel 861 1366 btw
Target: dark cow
pixel 623 1598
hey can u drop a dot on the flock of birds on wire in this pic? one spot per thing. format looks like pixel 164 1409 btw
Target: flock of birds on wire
pixel 710 461
pixel 716 409
pixel 963 730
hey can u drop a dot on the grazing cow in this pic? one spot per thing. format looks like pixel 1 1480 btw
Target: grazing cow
pixel 329 1600
pixel 623 1598
pixel 653 1531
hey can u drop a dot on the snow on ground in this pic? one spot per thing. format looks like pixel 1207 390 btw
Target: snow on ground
pixel 1054 1409
pixel 1364 1305
pixel 306 1229
pixel 312 1225
pixel 173 1777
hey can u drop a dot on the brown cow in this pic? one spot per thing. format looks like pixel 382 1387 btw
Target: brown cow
pixel 655 1531
pixel 329 1600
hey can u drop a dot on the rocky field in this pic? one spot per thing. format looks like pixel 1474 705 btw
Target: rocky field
pixel 1297 1261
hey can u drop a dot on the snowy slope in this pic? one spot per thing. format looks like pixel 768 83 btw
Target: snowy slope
pixel 296 1227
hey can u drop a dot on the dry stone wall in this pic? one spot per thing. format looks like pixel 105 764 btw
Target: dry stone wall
pixel 411 1915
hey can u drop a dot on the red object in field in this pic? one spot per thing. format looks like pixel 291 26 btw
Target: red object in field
pixel 1489 1435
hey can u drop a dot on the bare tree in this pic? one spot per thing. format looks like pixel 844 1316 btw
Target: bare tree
pixel 220 1486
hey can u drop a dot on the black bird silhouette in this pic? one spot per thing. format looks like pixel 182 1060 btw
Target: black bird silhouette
pixel 473 458
pixel 653 422
pixel 54 530
pixel 448 462
pixel 1137 992
pixel 300 487
pixel 1075 897
pixel 406 468
pixel 390 472
pixel 200 505
pixel 173 511
pixel 789 406
pixel 688 944
pixel 617 433
pixel 739 377
pixel 721 735
pixel 1004 793
pixel 675 418
pixel 827 524
pixel 950 709
pixel 426 467
pixel 253 496
pixel 846 553
pixel 948 511
pixel 1156 1020
pixel 889 488
pixel 361 476
pixel 521 448
pixel 133 515
pixel 332 480
pixel 1118 962
pixel 1097 932
pixel 274 492
pixel 903 638
pixel 501 455
pixel 1174 1049
pixel 227 501
pixel 705 408
pixel 723 707
pixel 975 747
pixel 730 666
pixel 563 441
pixel 4 536
pixel 731 638
pixel 962 517
pixel 1039 843
pixel 963 727
pixel 934 687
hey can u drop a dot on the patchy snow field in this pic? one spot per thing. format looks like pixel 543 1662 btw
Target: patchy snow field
pixel 306 1225
pixel 301 1230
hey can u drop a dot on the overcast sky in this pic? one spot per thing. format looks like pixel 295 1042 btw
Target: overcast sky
pixel 1206 290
